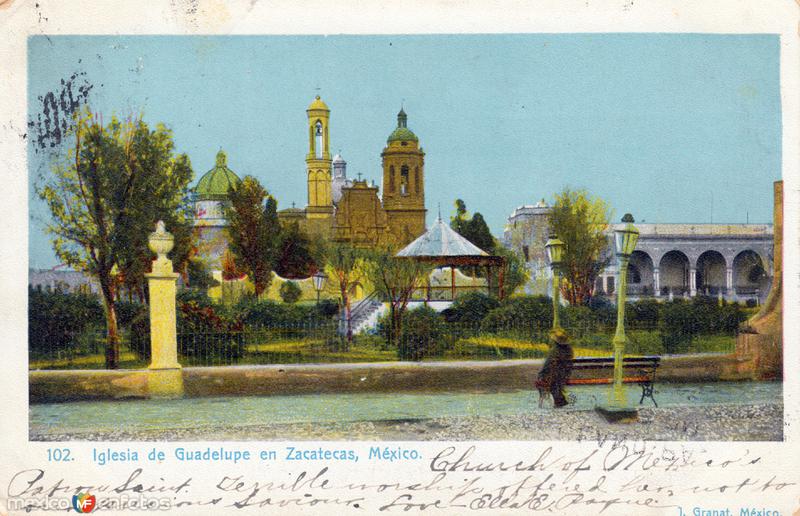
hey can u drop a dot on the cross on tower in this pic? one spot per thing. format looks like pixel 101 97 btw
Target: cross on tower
pixel 359 176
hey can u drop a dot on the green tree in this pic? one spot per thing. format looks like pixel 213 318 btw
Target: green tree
pixel 106 194
pixel 290 293
pixel 459 221
pixel 345 266
pixel 515 273
pixel 473 228
pixel 395 280
pixel 477 232
pixel 581 222
pixel 198 276
pixel 297 256
pixel 254 231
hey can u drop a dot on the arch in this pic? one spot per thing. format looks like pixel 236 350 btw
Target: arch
pixel 640 274
pixel 404 180
pixel 674 273
pixel 319 144
pixel 711 273
pixel 391 179
pixel 749 273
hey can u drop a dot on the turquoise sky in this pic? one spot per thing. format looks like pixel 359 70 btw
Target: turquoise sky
pixel 656 124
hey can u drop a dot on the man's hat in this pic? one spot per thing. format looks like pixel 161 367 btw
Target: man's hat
pixel 559 335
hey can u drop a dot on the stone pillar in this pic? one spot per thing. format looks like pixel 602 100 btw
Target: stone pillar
pixel 692 282
pixel 729 281
pixel 656 282
pixel 161 283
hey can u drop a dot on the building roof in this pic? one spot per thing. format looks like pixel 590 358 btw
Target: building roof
pixel 402 133
pixel 338 159
pixel 215 183
pixel 700 230
pixel 441 240
pixel 318 104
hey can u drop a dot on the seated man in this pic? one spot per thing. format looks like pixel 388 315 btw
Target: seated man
pixel 556 369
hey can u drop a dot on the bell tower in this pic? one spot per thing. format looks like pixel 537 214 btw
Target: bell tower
pixel 318 162
pixel 404 183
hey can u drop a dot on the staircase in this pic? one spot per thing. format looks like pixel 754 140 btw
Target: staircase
pixel 364 314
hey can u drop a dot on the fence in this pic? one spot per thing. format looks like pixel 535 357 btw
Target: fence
pixel 84 351
pixel 322 342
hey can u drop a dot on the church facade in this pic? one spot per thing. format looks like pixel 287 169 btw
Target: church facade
pixel 338 209
pixel 353 211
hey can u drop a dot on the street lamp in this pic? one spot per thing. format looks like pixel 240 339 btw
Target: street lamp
pixel 625 239
pixel 319 282
pixel 555 255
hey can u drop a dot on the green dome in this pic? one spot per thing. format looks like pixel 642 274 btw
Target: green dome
pixel 215 183
pixel 402 133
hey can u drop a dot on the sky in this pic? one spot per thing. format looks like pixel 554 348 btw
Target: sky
pixel 669 127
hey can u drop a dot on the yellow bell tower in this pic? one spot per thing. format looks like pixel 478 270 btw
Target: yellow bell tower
pixel 404 183
pixel 318 162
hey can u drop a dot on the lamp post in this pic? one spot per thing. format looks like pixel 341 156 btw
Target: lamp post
pixel 625 239
pixel 555 254
pixel 319 282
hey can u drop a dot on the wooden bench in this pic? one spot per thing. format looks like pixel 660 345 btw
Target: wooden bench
pixel 641 370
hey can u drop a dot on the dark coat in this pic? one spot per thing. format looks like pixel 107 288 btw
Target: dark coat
pixel 558 365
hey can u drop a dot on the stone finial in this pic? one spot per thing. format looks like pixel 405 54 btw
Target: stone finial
pixel 161 242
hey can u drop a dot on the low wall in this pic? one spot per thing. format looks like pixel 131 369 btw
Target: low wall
pixel 58 386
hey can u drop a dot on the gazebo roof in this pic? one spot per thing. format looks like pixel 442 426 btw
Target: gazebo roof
pixel 441 241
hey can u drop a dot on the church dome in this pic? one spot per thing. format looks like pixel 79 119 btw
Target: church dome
pixel 318 104
pixel 338 159
pixel 402 133
pixel 215 183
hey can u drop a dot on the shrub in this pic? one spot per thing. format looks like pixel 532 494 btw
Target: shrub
pixel 579 319
pixel 58 319
pixel 472 307
pixel 207 335
pixel 678 324
pixel 422 334
pixel 268 313
pixel 140 336
pixel 605 311
pixel 128 312
pixel 327 308
pixel 197 296
pixel 642 314
pixel 527 311
pixel 290 292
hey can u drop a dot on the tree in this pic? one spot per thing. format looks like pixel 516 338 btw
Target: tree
pixel 254 231
pixel 459 221
pixel 345 264
pixel 297 256
pixel 581 222
pixel 515 273
pixel 477 232
pixel 395 280
pixel 473 229
pixel 198 276
pixel 290 293
pixel 105 196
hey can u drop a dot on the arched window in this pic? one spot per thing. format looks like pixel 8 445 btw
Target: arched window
pixel 391 179
pixel 318 145
pixel 404 180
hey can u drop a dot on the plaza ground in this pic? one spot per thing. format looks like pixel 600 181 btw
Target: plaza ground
pixel 736 411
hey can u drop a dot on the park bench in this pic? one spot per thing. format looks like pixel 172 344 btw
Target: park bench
pixel 600 371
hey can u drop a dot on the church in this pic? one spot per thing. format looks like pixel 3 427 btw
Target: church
pixel 351 210
pixel 339 209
